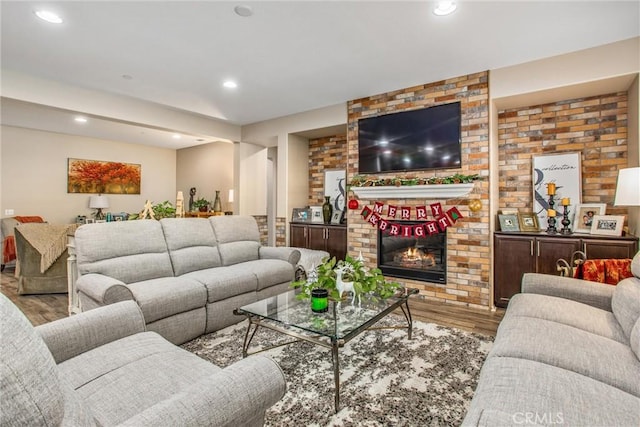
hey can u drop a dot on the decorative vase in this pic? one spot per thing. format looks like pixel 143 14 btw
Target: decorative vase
pixel 217 205
pixel 327 210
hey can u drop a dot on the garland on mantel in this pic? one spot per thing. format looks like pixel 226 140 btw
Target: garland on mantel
pixel 363 181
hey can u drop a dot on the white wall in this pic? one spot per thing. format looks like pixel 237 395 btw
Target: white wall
pixel 208 168
pixel 252 179
pixel 34 173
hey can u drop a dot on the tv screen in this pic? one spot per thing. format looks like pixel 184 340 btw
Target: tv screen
pixel 428 138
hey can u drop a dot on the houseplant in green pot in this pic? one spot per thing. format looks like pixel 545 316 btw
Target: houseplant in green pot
pixel 349 274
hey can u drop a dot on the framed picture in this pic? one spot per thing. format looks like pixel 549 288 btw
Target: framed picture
pixel 335 187
pixel 336 217
pixel 584 214
pixel 90 221
pixel 565 172
pixel 508 222
pixel 528 221
pixel 609 225
pixel 96 176
pixel 300 215
pixel 316 214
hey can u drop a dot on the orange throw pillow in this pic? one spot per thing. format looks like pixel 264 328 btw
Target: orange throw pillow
pixel 617 270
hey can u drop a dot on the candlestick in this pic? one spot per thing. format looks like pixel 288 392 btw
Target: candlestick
pixel 551 213
pixel 551 189
pixel 565 220
pixel 566 201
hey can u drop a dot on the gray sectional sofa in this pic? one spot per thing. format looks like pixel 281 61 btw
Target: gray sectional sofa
pixel 101 368
pixel 567 352
pixel 186 274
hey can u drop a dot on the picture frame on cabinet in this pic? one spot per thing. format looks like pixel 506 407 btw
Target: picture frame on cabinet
pixel 336 217
pixel 607 225
pixel 508 222
pixel 300 215
pixel 316 214
pixel 584 214
pixel 528 221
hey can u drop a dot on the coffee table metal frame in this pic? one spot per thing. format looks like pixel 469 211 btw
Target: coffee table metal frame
pixel 332 341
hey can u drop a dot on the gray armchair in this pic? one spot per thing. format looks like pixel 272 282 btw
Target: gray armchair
pixel 102 368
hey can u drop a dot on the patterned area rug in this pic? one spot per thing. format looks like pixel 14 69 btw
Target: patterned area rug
pixel 385 378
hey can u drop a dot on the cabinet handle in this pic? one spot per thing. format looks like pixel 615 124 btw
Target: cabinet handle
pixel 538 245
pixel 584 249
pixel 531 246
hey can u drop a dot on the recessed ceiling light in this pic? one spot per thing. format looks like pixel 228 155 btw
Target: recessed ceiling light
pixel 47 15
pixel 230 84
pixel 80 119
pixel 176 136
pixel 243 10
pixel 445 8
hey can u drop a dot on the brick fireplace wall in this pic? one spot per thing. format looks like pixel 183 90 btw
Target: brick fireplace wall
pixel 468 257
pixel 324 153
pixel 595 126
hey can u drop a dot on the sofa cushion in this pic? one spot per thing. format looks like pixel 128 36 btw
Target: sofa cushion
pixel 192 244
pixel 130 251
pixel 625 303
pixel 569 348
pixel 164 297
pixel 635 339
pixel 225 282
pixel 30 391
pixel 238 238
pixel 270 272
pixel 533 393
pixel 123 378
pixel 567 312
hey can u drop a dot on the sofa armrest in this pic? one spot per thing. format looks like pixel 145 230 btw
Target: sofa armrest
pixel 103 289
pixel 71 336
pixel 591 293
pixel 232 397
pixel 290 255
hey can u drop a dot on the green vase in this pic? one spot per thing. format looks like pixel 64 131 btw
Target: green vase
pixel 327 210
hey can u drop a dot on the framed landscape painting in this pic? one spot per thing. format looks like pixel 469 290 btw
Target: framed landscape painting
pixel 101 177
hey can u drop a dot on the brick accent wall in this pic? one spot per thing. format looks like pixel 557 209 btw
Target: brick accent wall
pixel 595 126
pixel 281 237
pixel 324 153
pixel 468 260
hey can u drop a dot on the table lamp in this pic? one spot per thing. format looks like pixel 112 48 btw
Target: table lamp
pixel 628 187
pixel 99 202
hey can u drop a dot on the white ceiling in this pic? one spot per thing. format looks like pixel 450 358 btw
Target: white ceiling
pixel 289 57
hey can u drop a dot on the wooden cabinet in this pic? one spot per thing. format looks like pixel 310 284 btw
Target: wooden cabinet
pixel 518 253
pixel 330 238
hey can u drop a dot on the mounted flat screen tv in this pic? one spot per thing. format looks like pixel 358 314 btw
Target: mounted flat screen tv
pixel 423 139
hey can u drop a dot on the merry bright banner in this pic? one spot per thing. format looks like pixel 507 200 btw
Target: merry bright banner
pixel 441 220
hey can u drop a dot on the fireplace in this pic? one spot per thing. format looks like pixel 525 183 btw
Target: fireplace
pixel 421 258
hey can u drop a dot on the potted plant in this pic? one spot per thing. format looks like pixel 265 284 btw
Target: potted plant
pixel 348 274
pixel 201 204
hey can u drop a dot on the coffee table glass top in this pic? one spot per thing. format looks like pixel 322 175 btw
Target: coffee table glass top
pixel 342 320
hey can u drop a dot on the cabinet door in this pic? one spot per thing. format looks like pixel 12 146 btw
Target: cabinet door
pixel 550 249
pixel 298 236
pixel 598 249
pixel 337 242
pixel 513 257
pixel 317 238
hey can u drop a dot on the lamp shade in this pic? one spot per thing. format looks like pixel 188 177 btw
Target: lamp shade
pixel 628 187
pixel 98 202
pixel 231 196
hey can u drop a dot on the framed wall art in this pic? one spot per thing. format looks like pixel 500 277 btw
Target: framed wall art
pixel 584 214
pixel 335 187
pixel 101 177
pixel 565 172
pixel 608 225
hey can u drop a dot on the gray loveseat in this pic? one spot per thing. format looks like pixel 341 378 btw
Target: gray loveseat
pixel 567 352
pixel 101 368
pixel 186 274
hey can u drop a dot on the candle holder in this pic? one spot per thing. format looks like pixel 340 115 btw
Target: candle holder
pixel 565 221
pixel 319 300
pixel 551 220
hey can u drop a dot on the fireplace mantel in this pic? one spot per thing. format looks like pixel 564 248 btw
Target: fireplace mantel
pixel 431 191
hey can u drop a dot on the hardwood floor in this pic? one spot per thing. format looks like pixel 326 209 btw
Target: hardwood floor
pixel 41 309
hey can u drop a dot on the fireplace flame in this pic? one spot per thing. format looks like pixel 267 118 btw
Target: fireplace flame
pixel 415 255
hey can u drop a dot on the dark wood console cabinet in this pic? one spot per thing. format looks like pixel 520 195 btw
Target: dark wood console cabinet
pixel 330 238
pixel 519 253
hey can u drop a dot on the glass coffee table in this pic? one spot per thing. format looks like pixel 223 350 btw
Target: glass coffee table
pixel 342 322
